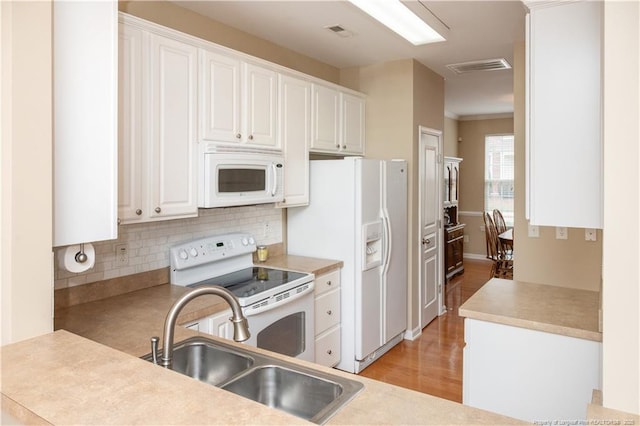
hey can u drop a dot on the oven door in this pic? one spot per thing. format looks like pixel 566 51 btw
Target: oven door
pixel 287 328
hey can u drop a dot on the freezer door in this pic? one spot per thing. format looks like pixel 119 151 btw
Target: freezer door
pixel 368 313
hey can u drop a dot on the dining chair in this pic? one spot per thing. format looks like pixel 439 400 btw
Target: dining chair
pixel 502 263
pixel 501 227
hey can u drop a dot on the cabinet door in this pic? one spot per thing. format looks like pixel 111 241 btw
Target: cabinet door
pixel 565 115
pixel 352 125
pixel 172 139
pixel 261 102
pixel 295 134
pixel 130 123
pixel 219 108
pixel 326 119
pixel 219 324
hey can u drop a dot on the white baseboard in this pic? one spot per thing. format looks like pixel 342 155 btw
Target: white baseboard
pixel 412 334
pixel 475 256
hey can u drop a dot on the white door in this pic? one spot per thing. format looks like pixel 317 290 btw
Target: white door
pixel 172 156
pixel 261 103
pixel 430 224
pixel 219 97
pixel 295 133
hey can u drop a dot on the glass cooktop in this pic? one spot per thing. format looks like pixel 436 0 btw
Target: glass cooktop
pixel 252 281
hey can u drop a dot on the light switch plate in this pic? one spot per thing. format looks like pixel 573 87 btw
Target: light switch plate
pixel 561 233
pixel 590 234
pixel 534 231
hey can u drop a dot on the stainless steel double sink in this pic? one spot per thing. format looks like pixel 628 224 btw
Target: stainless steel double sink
pixel 310 394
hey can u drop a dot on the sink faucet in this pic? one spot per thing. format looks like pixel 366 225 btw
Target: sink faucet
pixel 240 324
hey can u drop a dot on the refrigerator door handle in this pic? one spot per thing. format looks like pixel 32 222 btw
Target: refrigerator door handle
pixel 387 243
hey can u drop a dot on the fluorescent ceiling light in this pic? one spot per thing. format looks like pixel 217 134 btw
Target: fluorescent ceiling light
pixel 400 19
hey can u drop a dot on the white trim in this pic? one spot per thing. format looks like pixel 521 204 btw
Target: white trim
pixel 451 115
pixel 413 334
pixel 475 256
pixel 470 213
pixel 486 116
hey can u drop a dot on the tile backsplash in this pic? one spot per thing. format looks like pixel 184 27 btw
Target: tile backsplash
pixel 148 243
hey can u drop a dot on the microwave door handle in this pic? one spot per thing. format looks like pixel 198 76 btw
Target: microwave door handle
pixel 274 183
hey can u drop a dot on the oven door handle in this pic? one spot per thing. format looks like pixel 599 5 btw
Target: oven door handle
pixel 250 310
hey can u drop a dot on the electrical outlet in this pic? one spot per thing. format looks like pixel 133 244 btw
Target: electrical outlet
pixel 534 231
pixel 122 254
pixel 267 230
pixel 561 233
pixel 590 234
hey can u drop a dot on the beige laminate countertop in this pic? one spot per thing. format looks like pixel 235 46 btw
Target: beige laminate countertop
pixel 90 373
pixel 558 310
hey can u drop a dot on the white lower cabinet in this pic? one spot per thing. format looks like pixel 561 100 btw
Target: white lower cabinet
pixel 217 324
pixel 327 318
pixel 528 374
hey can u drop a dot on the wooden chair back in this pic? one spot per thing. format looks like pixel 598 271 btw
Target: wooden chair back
pixel 491 234
pixel 501 227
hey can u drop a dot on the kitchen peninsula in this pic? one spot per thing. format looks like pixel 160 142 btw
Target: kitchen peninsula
pixel 100 379
pixel 530 342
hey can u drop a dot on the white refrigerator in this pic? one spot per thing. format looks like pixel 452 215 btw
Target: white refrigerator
pixel 357 213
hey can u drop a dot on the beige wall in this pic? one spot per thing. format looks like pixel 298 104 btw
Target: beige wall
pixel 450 137
pixel 621 269
pixel 471 149
pixel 574 262
pixel 172 16
pixel 401 95
pixel 26 239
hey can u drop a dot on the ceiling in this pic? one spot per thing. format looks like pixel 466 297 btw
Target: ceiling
pixel 475 30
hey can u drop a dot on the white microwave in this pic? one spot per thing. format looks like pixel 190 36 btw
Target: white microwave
pixel 240 178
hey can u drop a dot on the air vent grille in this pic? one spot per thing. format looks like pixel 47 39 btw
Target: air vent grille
pixel 484 65
pixel 339 30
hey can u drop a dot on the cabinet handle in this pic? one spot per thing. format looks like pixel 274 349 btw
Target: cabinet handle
pixel 329 282
pixel 138 212
pixel 344 147
pixel 329 312
pixel 238 136
pixel 251 137
pixel 426 241
pixel 119 221
pixel 329 352
pixel 158 209
pixel 337 145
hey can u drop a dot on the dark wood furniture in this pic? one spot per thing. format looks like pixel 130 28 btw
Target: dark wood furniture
pixel 453 237
pixel 453 230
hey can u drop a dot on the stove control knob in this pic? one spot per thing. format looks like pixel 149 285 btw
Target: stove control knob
pixel 245 241
pixel 251 241
pixel 183 254
pixel 193 252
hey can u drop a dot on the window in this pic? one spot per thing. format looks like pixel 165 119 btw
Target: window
pixel 499 175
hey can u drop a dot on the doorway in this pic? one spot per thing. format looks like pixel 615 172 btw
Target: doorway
pixel 431 214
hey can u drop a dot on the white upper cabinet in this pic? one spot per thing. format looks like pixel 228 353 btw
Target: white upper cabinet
pixel 85 106
pixel 564 147
pixel 261 106
pixel 239 101
pixel 352 124
pixel 326 119
pixel 157 128
pixel 220 97
pixel 338 122
pixel 295 134
pixel 173 143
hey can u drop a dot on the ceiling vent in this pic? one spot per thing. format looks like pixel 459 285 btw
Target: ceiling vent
pixel 339 30
pixel 484 65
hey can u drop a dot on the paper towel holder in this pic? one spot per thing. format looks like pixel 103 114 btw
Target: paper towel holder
pixel 81 256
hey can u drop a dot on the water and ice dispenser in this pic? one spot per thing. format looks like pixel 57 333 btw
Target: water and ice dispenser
pixel 372 241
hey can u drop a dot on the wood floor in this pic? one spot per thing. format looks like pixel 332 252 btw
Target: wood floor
pixel 433 362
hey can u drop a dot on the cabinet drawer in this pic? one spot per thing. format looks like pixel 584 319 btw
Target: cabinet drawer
pixel 328 347
pixel 327 310
pixel 327 282
pixel 454 233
